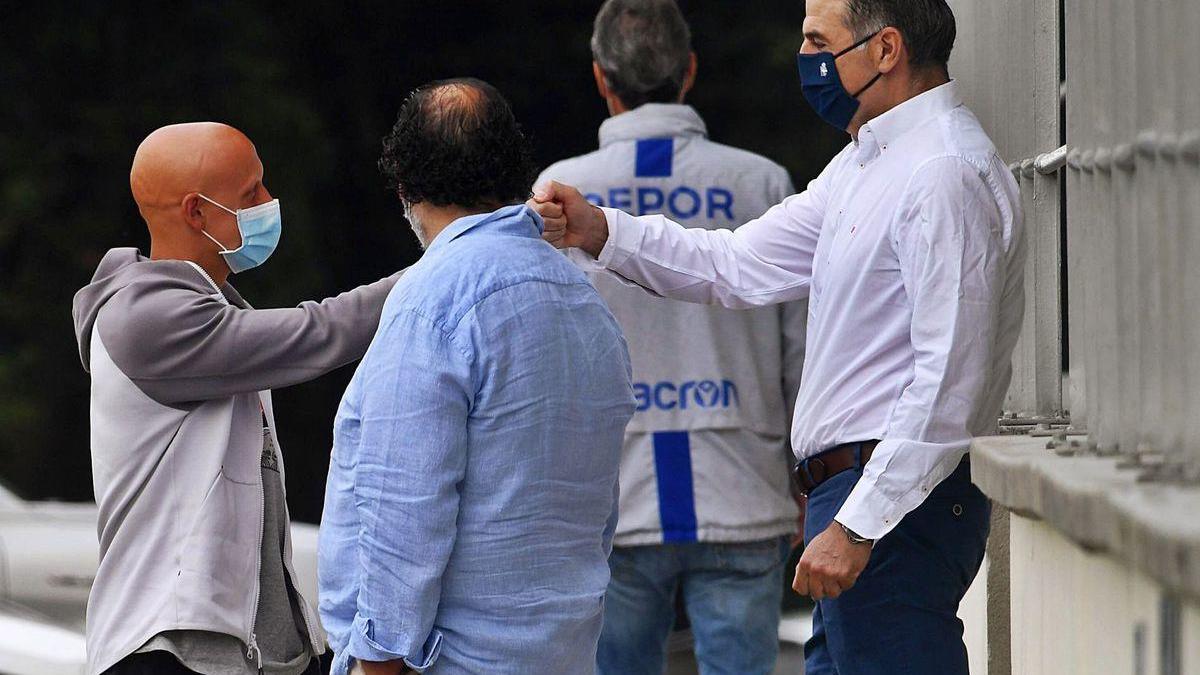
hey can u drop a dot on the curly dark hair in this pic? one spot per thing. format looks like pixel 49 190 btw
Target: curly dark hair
pixel 456 142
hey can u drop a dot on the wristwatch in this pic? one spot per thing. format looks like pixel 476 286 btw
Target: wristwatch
pixel 853 537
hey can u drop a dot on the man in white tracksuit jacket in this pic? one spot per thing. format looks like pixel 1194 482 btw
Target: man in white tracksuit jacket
pixel 705 503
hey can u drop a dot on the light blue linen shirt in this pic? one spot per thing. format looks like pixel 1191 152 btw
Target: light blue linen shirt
pixel 471 499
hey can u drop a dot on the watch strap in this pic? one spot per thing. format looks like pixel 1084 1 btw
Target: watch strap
pixel 854 537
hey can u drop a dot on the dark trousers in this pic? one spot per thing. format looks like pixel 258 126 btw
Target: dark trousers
pixel 165 663
pixel 900 617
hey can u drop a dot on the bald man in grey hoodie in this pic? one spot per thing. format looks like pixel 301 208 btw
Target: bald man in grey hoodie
pixel 195 558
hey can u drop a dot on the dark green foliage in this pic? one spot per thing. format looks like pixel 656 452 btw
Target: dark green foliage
pixel 316 86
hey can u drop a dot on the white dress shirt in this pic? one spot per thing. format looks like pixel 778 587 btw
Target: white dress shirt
pixel 910 248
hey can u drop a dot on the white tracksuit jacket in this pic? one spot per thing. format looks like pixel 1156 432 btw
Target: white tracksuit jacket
pixel 706 456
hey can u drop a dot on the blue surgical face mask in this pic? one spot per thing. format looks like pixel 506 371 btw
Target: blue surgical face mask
pixel 823 87
pixel 260 227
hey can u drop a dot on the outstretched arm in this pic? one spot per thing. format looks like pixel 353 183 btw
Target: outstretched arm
pixel 766 261
pixel 178 345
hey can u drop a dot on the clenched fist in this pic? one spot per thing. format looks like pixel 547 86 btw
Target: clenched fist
pixel 571 221
pixel 830 565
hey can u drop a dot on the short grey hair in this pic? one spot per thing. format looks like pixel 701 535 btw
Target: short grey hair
pixel 928 26
pixel 644 49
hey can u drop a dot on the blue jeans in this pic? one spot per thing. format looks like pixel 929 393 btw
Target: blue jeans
pixel 900 617
pixel 731 592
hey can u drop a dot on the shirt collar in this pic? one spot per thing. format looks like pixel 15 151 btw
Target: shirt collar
pixel 517 219
pixel 652 120
pixel 891 125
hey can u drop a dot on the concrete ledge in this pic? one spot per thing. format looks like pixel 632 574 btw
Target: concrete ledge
pixel 1152 527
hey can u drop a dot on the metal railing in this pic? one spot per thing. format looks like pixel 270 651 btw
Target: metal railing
pixel 1130 158
pixel 1007 66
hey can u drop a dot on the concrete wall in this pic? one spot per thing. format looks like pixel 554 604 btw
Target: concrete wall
pixel 1080 612
pixel 1102 573
pixel 974 615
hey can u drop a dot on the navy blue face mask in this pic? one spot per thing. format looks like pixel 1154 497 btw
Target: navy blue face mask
pixel 823 87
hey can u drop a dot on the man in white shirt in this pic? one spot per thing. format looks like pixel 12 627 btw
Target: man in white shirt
pixel 910 248
pixel 705 507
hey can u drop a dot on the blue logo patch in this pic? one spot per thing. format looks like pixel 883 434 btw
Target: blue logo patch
pixel 654 157
pixel 704 394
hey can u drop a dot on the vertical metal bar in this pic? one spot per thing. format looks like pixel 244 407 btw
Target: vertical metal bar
pixel 1190 237
pixel 1116 227
pixel 1093 228
pixel 1023 111
pixel 1174 265
pixel 995 112
pixel 1150 222
pixel 1021 137
pixel 1043 128
pixel 1097 264
pixel 1077 243
pixel 1128 56
pixel 1022 141
pixel 1107 377
pixel 1079 223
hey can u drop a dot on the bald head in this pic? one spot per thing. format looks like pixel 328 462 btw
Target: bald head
pixel 459 100
pixel 176 164
pixel 193 157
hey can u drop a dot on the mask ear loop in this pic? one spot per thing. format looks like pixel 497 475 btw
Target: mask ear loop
pixel 847 50
pixel 219 206
pixel 219 244
pixel 224 249
pixel 868 85
pixel 838 55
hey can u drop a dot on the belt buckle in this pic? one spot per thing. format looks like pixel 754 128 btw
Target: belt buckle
pixel 804 472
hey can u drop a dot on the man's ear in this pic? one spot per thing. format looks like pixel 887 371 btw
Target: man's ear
pixel 601 81
pixel 192 215
pixel 689 79
pixel 891 49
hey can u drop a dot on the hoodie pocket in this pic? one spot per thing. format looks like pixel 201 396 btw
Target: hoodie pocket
pixel 220 552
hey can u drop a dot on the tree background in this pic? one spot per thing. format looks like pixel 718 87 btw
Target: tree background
pixel 315 86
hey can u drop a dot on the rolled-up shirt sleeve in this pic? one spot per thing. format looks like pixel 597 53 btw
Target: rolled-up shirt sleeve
pixel 764 262
pixel 949 243
pixel 411 458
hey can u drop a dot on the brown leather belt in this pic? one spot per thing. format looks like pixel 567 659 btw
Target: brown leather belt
pixel 811 472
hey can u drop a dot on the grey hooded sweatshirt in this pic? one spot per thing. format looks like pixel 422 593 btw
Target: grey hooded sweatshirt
pixel 181 378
